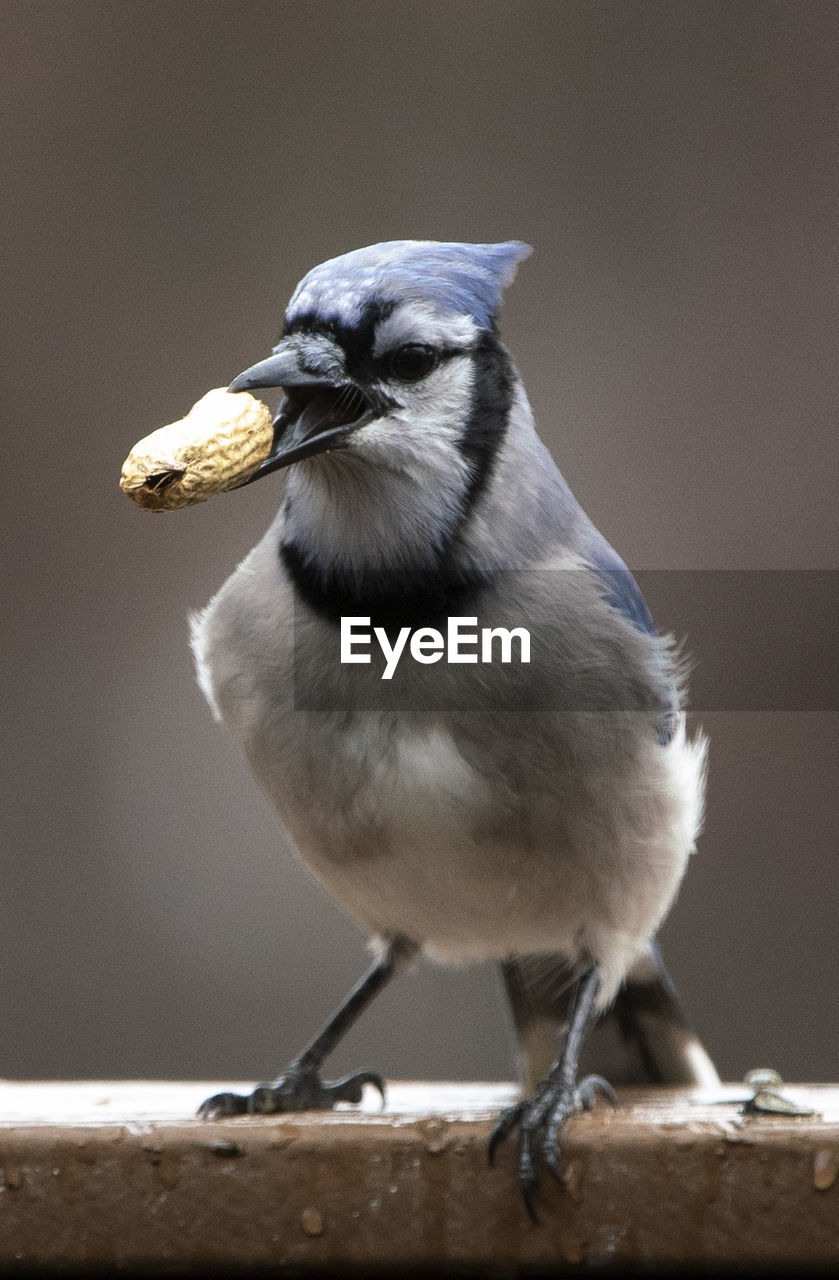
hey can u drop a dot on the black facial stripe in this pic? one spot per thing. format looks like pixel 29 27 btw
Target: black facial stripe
pixel 486 426
pixel 421 597
pixel 356 339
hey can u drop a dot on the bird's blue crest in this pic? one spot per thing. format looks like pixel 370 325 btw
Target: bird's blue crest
pixel 466 279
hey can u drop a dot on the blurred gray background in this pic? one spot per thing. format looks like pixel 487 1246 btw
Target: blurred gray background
pixel 170 171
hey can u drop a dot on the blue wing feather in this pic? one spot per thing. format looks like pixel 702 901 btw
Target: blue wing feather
pixel 623 592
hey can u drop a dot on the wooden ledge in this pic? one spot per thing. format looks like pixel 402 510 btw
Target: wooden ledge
pixel 123 1175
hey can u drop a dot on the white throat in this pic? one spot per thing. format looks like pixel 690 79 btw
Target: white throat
pixel 392 496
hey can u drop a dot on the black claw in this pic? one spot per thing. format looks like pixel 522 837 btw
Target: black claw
pixel 351 1088
pixel 504 1126
pixel 297 1090
pixel 540 1121
pixel 528 1177
pixel 223 1104
pixel 588 1089
pixel 527 1192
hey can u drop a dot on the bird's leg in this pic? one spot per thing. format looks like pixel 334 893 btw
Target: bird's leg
pixel 558 1096
pixel 300 1087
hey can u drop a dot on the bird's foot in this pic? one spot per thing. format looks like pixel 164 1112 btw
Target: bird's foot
pixel 300 1089
pixel 539 1121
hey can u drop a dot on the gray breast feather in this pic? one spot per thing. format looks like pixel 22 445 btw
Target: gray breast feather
pixel 476 829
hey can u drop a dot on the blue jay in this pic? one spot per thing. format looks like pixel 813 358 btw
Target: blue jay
pixel 544 823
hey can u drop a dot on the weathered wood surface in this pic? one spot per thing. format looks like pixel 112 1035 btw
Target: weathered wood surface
pixel 123 1175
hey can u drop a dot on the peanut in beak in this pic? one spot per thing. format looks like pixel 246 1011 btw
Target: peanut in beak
pixel 217 446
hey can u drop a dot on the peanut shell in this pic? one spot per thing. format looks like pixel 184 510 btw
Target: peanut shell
pixel 218 445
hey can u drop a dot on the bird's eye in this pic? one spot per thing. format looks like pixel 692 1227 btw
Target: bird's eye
pixel 413 361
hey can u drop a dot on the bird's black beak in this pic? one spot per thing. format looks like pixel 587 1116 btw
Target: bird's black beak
pixel 320 411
